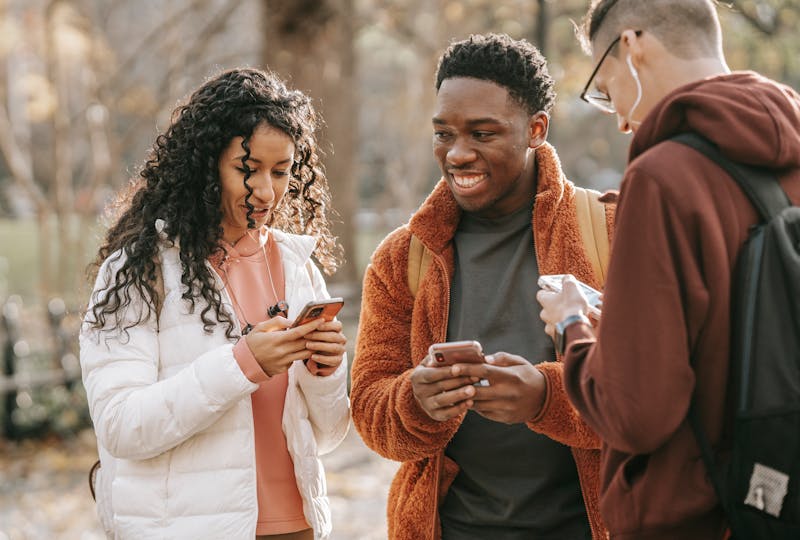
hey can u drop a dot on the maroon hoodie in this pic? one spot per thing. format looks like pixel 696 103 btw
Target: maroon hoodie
pixel 665 329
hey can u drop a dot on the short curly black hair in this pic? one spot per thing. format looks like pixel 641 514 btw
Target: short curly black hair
pixel 514 64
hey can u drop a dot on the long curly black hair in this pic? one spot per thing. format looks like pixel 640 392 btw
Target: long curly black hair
pixel 180 184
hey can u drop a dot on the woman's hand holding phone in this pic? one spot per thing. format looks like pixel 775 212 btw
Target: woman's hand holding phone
pixel 327 344
pixel 275 344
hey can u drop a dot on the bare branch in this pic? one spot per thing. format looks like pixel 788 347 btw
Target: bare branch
pixel 755 21
pixel 20 167
pixel 148 40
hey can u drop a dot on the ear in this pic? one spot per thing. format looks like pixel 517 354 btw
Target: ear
pixel 634 44
pixel 538 125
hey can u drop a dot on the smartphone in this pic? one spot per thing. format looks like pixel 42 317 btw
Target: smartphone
pixel 456 352
pixel 552 282
pixel 327 309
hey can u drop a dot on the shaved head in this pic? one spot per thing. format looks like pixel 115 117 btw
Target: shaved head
pixel 687 28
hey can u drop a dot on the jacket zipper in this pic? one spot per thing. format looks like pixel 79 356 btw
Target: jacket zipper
pixel 437 468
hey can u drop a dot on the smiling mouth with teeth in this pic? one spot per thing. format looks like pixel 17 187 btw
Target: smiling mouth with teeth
pixel 257 211
pixel 468 180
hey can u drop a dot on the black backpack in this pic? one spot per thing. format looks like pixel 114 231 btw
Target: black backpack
pixel 758 485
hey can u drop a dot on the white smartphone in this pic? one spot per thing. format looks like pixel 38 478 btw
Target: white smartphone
pixel 552 282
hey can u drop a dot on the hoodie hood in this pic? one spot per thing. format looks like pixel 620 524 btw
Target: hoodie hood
pixel 752 119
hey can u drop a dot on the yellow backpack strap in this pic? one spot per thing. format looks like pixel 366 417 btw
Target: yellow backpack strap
pixel 419 259
pixel 593 226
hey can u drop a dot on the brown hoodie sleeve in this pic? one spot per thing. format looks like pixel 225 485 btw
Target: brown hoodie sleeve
pixel 384 409
pixel 558 418
pixel 633 385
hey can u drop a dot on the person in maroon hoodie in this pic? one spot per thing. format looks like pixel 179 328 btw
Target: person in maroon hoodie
pixel 665 329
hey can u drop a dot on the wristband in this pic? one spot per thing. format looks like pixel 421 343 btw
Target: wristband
pixel 561 327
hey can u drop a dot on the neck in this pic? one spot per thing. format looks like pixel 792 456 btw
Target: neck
pixel 233 236
pixel 681 72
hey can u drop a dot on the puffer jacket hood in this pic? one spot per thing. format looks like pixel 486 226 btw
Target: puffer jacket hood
pixel 752 119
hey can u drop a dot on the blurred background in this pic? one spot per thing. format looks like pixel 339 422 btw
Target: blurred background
pixel 85 86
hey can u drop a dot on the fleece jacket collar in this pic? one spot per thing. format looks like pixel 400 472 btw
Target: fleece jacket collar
pixel 436 221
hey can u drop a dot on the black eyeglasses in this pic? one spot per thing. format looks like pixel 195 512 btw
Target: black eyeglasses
pixel 595 97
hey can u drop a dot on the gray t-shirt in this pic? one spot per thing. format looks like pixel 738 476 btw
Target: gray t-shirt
pixel 513 483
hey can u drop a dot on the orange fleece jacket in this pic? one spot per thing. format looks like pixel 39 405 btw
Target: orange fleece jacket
pixel 396 329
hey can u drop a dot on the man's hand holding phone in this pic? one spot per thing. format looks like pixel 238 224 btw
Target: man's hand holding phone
pixel 515 392
pixel 558 304
pixel 593 297
pixel 456 376
pixel 440 393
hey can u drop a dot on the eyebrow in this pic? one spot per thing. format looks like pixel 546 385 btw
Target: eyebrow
pixel 473 122
pixel 256 160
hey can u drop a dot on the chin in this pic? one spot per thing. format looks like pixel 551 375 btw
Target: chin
pixel 472 206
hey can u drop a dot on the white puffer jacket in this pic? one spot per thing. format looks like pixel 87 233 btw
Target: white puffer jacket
pixel 173 417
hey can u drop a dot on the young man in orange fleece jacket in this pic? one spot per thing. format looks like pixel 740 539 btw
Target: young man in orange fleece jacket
pixel 665 332
pixel 510 460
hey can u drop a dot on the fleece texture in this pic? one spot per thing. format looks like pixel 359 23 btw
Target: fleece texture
pixel 396 329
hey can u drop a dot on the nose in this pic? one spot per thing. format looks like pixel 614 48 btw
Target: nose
pixel 261 184
pixel 623 124
pixel 460 153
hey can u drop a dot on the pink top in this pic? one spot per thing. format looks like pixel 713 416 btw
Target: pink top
pixel 247 279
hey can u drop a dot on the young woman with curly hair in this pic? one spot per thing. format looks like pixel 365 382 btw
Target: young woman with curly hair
pixel 210 410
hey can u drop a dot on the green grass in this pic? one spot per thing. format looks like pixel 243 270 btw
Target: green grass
pixel 20 269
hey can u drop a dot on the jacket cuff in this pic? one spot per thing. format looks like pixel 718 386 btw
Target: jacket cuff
pixel 574 332
pixel 548 393
pixel 321 385
pixel 417 420
pixel 248 363
pixel 558 418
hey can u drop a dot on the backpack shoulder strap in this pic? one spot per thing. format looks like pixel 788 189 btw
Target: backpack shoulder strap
pixel 593 227
pixel 419 259
pixel 760 186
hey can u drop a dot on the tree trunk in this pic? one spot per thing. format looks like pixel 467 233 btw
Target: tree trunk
pixel 310 43
pixel 542 27
pixel 61 244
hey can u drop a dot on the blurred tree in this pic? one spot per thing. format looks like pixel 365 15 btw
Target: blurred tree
pixel 78 104
pixel 84 82
pixel 762 35
pixel 311 42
